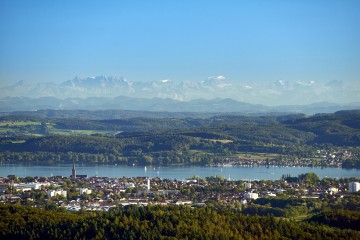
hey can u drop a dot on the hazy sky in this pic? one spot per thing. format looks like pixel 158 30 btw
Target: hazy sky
pixel 246 41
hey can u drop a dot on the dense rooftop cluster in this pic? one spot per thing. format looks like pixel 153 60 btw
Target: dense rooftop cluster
pixel 102 193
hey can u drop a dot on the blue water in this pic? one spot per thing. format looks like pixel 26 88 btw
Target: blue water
pixel 173 172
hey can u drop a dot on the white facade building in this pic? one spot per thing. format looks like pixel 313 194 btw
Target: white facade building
pixel 29 186
pixel 250 195
pixel 247 185
pixel 333 190
pixel 354 186
pixel 85 191
pixel 243 201
pixel 129 185
pixel 148 184
pixel 53 193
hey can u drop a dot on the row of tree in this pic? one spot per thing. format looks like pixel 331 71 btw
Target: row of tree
pixel 156 222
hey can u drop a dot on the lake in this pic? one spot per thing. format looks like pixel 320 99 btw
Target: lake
pixel 173 172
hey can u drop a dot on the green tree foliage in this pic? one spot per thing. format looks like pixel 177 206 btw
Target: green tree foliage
pixel 309 177
pixel 182 141
pixel 156 222
pixel 340 218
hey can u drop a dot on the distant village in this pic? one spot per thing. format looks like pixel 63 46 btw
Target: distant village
pixel 80 192
pixel 322 158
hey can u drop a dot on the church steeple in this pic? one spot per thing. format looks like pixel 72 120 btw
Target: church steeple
pixel 73 176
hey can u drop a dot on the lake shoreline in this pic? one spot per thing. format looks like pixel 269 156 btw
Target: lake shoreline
pixel 247 164
pixel 172 172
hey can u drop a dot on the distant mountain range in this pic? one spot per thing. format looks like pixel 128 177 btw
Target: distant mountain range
pixel 214 94
pixel 10 104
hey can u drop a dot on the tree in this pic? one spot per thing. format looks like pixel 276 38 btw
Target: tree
pixel 309 177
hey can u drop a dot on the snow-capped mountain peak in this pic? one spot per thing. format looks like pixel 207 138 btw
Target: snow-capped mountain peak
pixel 274 93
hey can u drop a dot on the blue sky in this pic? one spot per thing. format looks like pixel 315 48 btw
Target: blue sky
pixel 246 41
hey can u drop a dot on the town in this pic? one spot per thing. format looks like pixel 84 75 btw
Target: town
pixel 321 158
pixel 80 192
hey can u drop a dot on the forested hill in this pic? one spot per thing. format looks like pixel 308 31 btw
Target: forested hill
pixel 122 114
pixel 177 140
pixel 156 222
pixel 341 128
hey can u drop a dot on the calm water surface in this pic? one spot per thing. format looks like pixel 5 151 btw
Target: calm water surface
pixel 173 172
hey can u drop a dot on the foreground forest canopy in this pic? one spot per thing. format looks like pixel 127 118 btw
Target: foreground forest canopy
pixel 205 139
pixel 156 222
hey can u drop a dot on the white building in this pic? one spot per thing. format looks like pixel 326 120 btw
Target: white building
pixel 250 195
pixel 333 190
pixel 53 193
pixel 184 202
pixel 279 190
pixel 354 187
pixel 247 185
pixel 28 186
pixel 85 191
pixel 129 185
pixel 243 201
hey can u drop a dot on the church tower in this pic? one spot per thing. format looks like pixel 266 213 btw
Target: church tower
pixel 73 176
